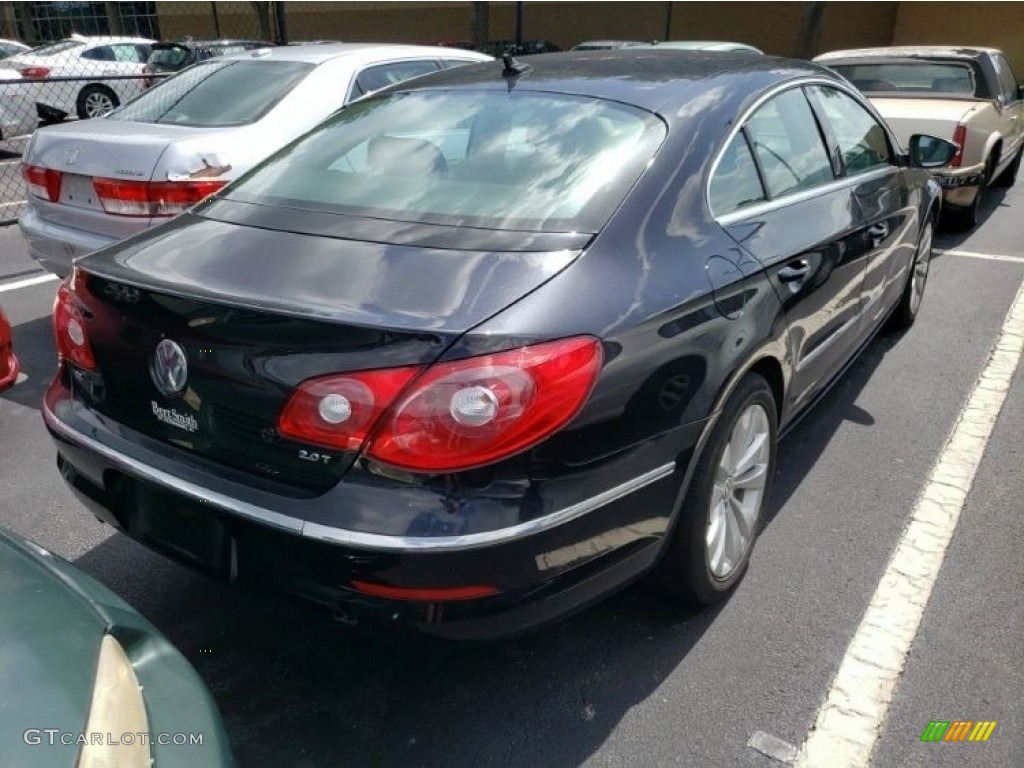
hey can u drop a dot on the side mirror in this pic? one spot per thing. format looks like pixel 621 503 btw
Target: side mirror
pixel 930 151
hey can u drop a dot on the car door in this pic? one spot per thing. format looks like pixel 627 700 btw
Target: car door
pixel 801 224
pixel 378 76
pixel 1011 107
pixel 887 227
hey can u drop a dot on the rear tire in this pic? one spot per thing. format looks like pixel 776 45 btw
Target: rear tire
pixel 95 101
pixel 721 515
pixel 1009 175
pixel 910 302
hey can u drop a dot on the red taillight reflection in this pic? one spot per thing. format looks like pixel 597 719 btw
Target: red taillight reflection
pixel 122 197
pixel 42 182
pixel 456 415
pixel 69 327
pixel 34 72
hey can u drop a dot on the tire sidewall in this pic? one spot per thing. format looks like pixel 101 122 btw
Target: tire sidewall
pixel 87 91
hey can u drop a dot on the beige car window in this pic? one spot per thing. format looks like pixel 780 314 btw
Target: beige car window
pixel 862 141
pixel 788 144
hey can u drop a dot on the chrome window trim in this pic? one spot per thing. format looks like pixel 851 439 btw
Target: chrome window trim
pixel 804 194
pixel 344 536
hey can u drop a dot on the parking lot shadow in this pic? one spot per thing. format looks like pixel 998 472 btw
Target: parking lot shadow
pixel 949 238
pixel 33 344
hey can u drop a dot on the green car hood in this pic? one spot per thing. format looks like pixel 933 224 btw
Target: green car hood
pixel 52 619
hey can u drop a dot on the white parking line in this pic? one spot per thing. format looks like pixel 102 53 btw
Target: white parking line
pixel 4 287
pixel 987 256
pixel 850 720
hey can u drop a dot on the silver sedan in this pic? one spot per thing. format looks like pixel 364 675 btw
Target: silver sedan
pixel 96 181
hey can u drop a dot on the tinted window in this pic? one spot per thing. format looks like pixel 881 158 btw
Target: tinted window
pixel 1007 80
pixel 218 93
pixel 862 141
pixel 736 182
pixel 922 77
pixel 128 53
pixel 374 78
pixel 103 53
pixel 172 56
pixel 518 161
pixel 788 144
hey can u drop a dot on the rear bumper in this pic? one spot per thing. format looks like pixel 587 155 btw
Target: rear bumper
pixel 960 185
pixel 55 246
pixel 537 572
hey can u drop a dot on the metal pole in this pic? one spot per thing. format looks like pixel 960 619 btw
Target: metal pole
pixel 519 24
pixel 216 19
pixel 668 21
pixel 282 26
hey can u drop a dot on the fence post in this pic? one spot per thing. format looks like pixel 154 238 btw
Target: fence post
pixel 282 25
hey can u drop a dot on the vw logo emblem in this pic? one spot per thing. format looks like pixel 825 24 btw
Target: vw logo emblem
pixel 169 368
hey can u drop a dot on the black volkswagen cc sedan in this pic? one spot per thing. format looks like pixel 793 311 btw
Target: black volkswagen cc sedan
pixel 493 343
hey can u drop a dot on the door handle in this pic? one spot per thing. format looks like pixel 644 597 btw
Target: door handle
pixel 794 271
pixel 878 231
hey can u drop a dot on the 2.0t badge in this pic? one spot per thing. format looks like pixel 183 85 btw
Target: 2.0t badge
pixel 169 368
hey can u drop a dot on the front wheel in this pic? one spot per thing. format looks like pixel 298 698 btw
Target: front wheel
pixel 910 302
pixel 720 517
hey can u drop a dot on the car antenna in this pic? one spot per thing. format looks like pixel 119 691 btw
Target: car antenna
pixel 513 68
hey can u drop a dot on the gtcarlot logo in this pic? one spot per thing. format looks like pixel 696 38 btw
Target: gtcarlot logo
pixel 53 736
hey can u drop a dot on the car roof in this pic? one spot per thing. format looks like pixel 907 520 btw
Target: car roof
pixel 609 43
pixel 911 52
pixel 703 45
pixel 319 53
pixel 212 41
pixel 647 78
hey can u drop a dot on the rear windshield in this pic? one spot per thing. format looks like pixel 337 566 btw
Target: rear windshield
pixel 912 77
pixel 55 48
pixel 171 56
pixel 216 94
pixel 498 160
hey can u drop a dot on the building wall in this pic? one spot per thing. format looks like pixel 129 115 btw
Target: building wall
pixel 999 25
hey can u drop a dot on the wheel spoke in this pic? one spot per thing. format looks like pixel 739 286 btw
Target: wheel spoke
pixel 753 479
pixel 716 538
pixel 754 453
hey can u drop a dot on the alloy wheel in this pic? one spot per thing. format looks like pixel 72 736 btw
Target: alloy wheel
pixel 738 491
pixel 922 262
pixel 98 104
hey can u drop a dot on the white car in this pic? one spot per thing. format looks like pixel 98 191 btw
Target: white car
pixel 17 111
pixel 97 59
pixel 12 48
pixel 93 182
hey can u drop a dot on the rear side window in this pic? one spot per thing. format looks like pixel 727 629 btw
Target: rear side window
pixel 513 161
pixel 171 56
pixel 862 141
pixel 216 94
pixel 1007 81
pixel 102 53
pixel 788 144
pixel 374 78
pixel 911 77
pixel 736 182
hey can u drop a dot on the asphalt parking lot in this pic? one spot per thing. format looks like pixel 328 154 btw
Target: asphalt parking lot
pixel 631 681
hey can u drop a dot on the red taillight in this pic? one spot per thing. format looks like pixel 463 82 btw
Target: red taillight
pixel 960 139
pixel 431 595
pixel 42 182
pixel 338 411
pixel 35 72
pixel 152 198
pixel 456 415
pixel 69 327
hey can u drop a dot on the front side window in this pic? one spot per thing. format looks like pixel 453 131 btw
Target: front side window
pixel 381 76
pixel 514 161
pixel 862 141
pixel 216 94
pixel 736 182
pixel 128 53
pixel 788 144
pixel 921 78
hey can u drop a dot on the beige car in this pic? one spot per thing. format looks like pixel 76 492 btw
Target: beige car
pixel 967 95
